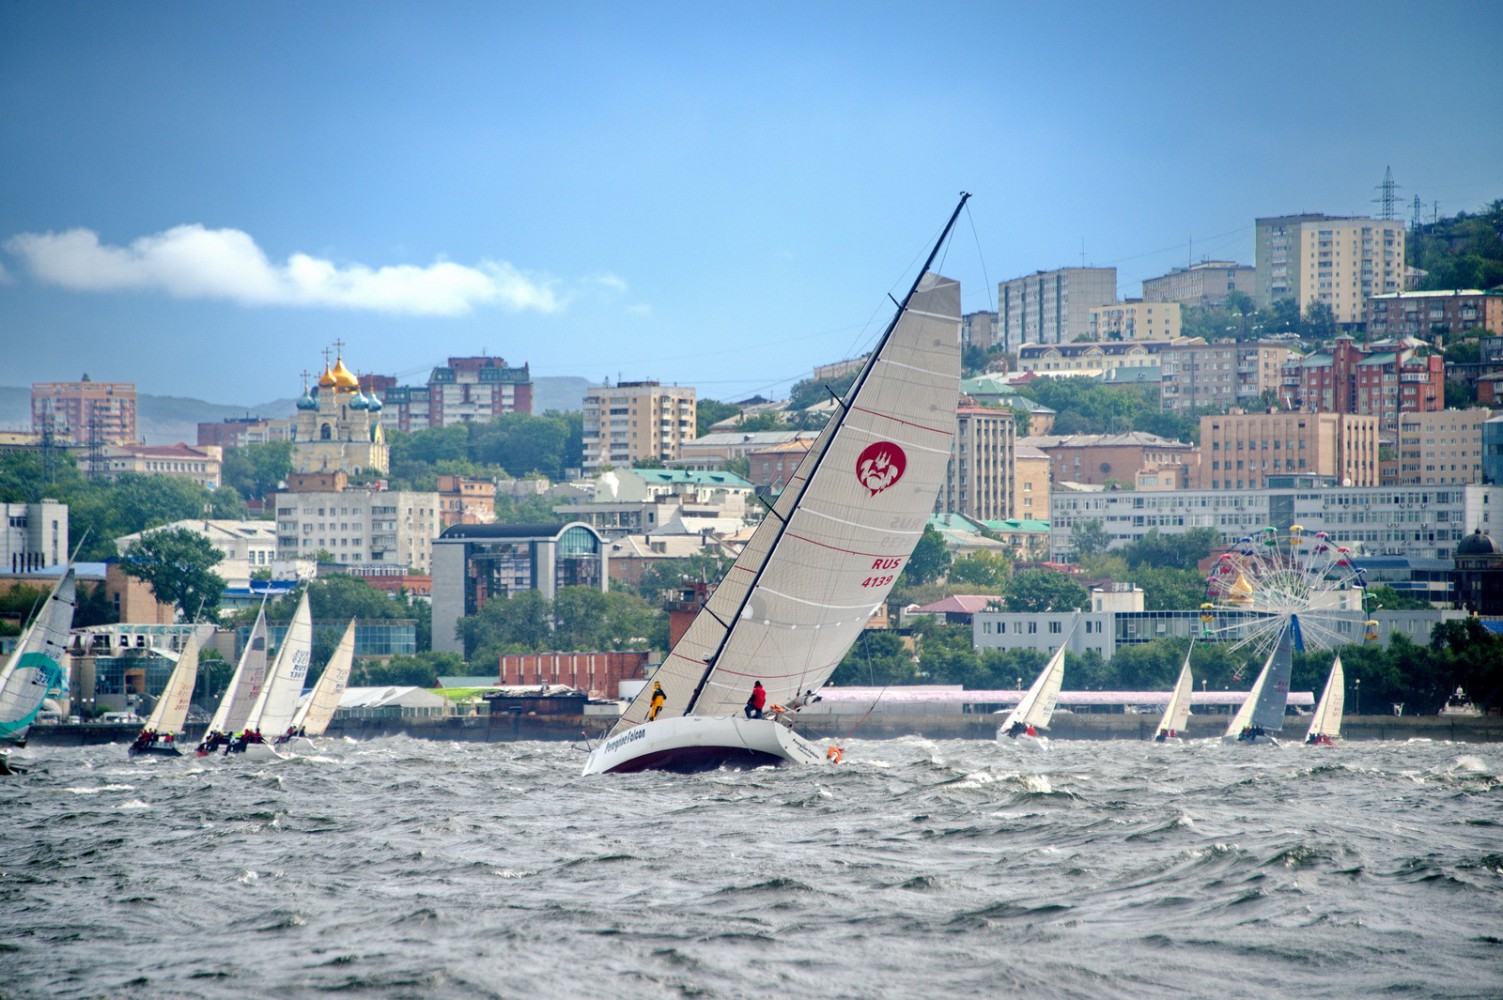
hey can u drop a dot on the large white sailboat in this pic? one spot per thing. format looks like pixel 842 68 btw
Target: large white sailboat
pixel 243 690
pixel 1036 708
pixel 317 710
pixel 822 561
pixel 1177 712
pixel 272 712
pixel 1262 714
pixel 159 735
pixel 1325 724
pixel 36 666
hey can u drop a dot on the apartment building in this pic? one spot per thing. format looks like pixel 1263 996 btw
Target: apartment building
pixel 978 478
pixel 1381 380
pixel 1242 450
pixel 1101 459
pixel 1338 260
pixel 85 412
pixel 636 420
pixel 1442 448
pixel 978 329
pixel 1420 522
pixel 358 526
pixel 1222 375
pixel 1090 358
pixel 1204 285
pixel 1051 307
pixel 1434 314
pixel 467 390
pixel 247 547
pixel 1030 484
pixel 1135 319
pixel 237 432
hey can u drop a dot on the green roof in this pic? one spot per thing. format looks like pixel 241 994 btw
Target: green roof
pixel 1017 524
pixel 670 476
pixel 957 523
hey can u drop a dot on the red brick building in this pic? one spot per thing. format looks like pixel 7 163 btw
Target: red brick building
pixel 600 674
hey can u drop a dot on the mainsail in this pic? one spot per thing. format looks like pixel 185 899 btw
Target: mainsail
pixel 314 714
pixel 827 554
pixel 171 709
pixel 1037 706
pixel 1177 713
pixel 272 712
pixel 1327 718
pixel 36 666
pixel 1266 702
pixel 245 684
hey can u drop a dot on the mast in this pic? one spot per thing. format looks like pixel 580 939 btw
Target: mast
pixel 831 430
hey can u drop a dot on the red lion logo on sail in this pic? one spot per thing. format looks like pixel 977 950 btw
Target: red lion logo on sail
pixel 880 465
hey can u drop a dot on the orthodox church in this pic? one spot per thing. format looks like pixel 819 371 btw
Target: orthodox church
pixel 339 429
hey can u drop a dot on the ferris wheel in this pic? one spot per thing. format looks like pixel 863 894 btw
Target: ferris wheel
pixel 1267 579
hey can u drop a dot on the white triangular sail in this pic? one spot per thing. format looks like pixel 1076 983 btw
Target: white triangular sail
pixel 36 666
pixel 1177 712
pixel 1037 706
pixel 1266 702
pixel 272 712
pixel 171 709
pixel 314 714
pixel 826 556
pixel 246 683
pixel 1327 718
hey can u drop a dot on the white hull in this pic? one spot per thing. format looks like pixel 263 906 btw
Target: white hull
pixel 256 751
pixel 1264 740
pixel 693 743
pixel 1032 742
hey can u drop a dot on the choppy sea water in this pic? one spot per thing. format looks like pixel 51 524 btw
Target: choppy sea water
pixel 918 868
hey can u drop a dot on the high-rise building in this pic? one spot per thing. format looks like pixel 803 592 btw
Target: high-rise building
pixel 1434 314
pixel 1221 374
pixel 978 478
pixel 1442 448
pixel 629 421
pixel 85 412
pixel 1339 261
pixel 1205 285
pixel 1383 380
pixel 477 389
pixel 1239 451
pixel 978 329
pixel 358 526
pixel 1051 307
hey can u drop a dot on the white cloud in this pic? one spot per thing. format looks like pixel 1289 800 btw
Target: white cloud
pixel 195 262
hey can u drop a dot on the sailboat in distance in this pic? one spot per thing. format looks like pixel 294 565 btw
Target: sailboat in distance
pixel 821 562
pixel 36 666
pixel 1036 708
pixel 1325 724
pixel 1262 714
pixel 1177 712
pixel 243 690
pixel 159 735
pixel 317 710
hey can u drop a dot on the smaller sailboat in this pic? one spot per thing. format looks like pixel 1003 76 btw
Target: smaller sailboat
pixel 275 706
pixel 317 710
pixel 159 735
pixel 243 690
pixel 1177 712
pixel 36 666
pixel 1325 724
pixel 1262 714
pixel 1033 713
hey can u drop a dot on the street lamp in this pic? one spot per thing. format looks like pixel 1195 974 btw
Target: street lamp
pixel 1358 682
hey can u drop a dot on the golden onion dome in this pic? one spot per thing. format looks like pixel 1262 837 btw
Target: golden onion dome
pixel 343 377
pixel 326 380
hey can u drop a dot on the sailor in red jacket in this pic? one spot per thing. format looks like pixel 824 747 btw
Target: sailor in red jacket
pixel 757 700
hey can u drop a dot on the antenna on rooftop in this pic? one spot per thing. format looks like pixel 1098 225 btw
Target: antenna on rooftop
pixel 1385 199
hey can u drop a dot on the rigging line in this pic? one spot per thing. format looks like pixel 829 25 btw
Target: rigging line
pixel 827 437
pixel 991 289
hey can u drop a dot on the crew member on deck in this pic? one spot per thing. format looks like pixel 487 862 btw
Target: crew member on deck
pixel 658 698
pixel 755 703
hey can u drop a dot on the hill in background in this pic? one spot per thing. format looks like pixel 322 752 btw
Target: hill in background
pixel 168 419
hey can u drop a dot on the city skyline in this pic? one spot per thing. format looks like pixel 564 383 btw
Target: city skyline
pixel 716 197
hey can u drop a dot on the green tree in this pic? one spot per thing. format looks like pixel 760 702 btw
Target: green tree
pixel 422 670
pixel 667 576
pixel 179 566
pixel 256 470
pixel 1319 323
pixel 1178 551
pixel 810 392
pixel 518 623
pixel 930 559
pixel 984 572
pixel 1089 538
pixel 1035 590
pixel 877 657
pixel 1166 588
pixel 709 412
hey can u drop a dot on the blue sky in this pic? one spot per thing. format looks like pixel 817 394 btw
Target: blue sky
pixel 200 197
